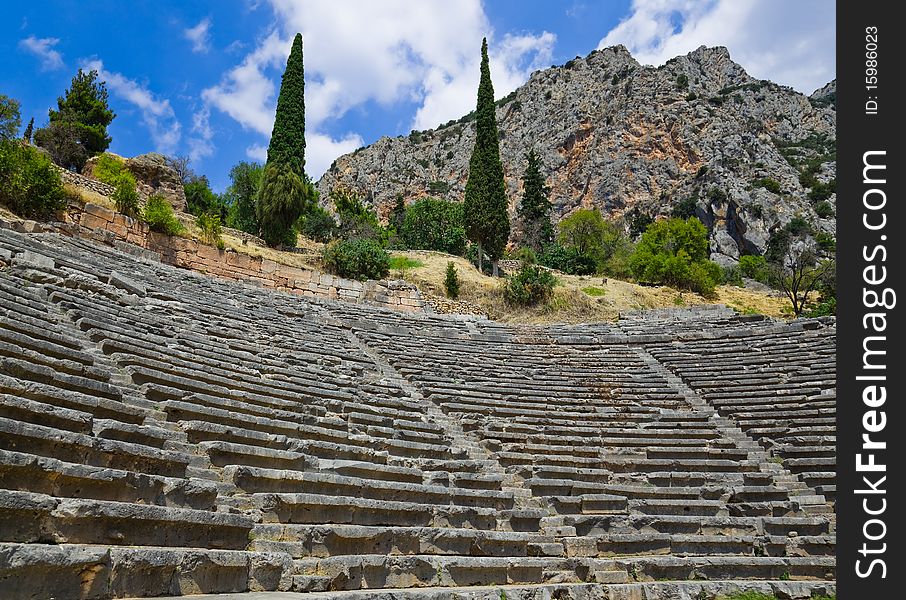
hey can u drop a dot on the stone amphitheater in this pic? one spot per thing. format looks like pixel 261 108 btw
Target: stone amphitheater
pixel 165 433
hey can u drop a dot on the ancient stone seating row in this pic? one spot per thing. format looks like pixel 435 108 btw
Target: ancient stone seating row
pixel 779 387
pixel 167 433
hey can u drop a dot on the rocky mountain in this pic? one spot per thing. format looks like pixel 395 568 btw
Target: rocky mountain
pixel 697 134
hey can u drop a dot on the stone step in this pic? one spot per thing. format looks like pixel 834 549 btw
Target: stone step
pixel 256 480
pixel 327 540
pixel 27 472
pixel 37 518
pixel 729 567
pixel 101 572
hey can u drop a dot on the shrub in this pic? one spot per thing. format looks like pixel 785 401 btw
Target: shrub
pixel 824 210
pixel 684 209
pixel 530 286
pixel 126 198
pixel 675 252
pixel 822 191
pixel 451 281
pixel 587 233
pixel 432 224
pixel 357 259
pixel 358 220
pixel 682 82
pixel 201 200
pixel 826 242
pixel 318 224
pixel 638 222
pixel 158 214
pixel 567 260
pixel 731 275
pixel 771 185
pixel 111 170
pixel 754 267
pixel 29 185
pixel 242 196
pixel 9 117
pixel 210 229
pixel 526 255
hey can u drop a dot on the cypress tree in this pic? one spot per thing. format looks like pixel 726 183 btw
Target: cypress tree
pixel 535 208
pixel 286 192
pixel 485 206
pixel 29 129
pixel 287 146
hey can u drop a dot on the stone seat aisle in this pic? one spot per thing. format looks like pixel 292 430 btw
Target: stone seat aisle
pixel 166 433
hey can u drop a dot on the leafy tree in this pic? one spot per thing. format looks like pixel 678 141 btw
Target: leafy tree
pixel 675 253
pixel 29 130
pixel 485 206
pixel 318 224
pixel 9 117
pixel 242 196
pixel 83 107
pixel 754 267
pixel 357 219
pixel 567 260
pixel 684 209
pixel 29 185
pixel 282 199
pixel 398 213
pixel 200 199
pixel 451 281
pixel 535 208
pixel 638 222
pixel 61 141
pixel 799 274
pixel 432 224
pixel 589 235
pixel 287 145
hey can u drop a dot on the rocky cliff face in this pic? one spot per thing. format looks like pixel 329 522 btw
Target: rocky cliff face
pixel 695 134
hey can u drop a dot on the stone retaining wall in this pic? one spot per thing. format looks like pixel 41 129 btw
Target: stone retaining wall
pixel 82 181
pixel 113 228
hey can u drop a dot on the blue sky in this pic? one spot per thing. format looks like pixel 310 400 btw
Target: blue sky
pixel 201 78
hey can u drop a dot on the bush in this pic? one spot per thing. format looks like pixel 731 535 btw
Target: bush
pixel 210 229
pixel 675 252
pixel 201 200
pixel 754 267
pixel 684 209
pixel 822 191
pixel 318 224
pixel 432 224
pixel 526 255
pixel 566 260
pixel 824 210
pixel 126 198
pixel 826 242
pixel 242 196
pixel 731 275
pixel 771 185
pixel 357 259
pixel 29 185
pixel 451 281
pixel 595 239
pixel 111 170
pixel 158 214
pixel 358 220
pixel 682 82
pixel 530 286
pixel 9 117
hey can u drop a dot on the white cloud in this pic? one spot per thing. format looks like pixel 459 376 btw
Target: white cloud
pixel 257 152
pixel 792 43
pixel 157 114
pixel 200 36
pixel 356 52
pixel 320 150
pixel 43 48
pixel 200 144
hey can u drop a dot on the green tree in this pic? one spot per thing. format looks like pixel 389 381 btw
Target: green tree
pixel 485 206
pixel 432 224
pixel 675 252
pixel 282 199
pixel 61 141
pixel 29 130
pixel 201 200
pixel 83 107
pixel 357 219
pixel 535 208
pixel 590 235
pixel 9 117
pixel 242 196
pixel 287 146
pixel 398 213
pixel 799 274
pixel 29 185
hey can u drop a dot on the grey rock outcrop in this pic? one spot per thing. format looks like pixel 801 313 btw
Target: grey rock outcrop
pixel 154 176
pixel 632 139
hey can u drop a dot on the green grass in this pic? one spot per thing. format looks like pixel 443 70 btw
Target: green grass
pixel 594 291
pixel 401 263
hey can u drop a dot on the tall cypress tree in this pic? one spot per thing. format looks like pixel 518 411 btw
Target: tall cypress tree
pixel 485 206
pixel 535 208
pixel 286 193
pixel 287 145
